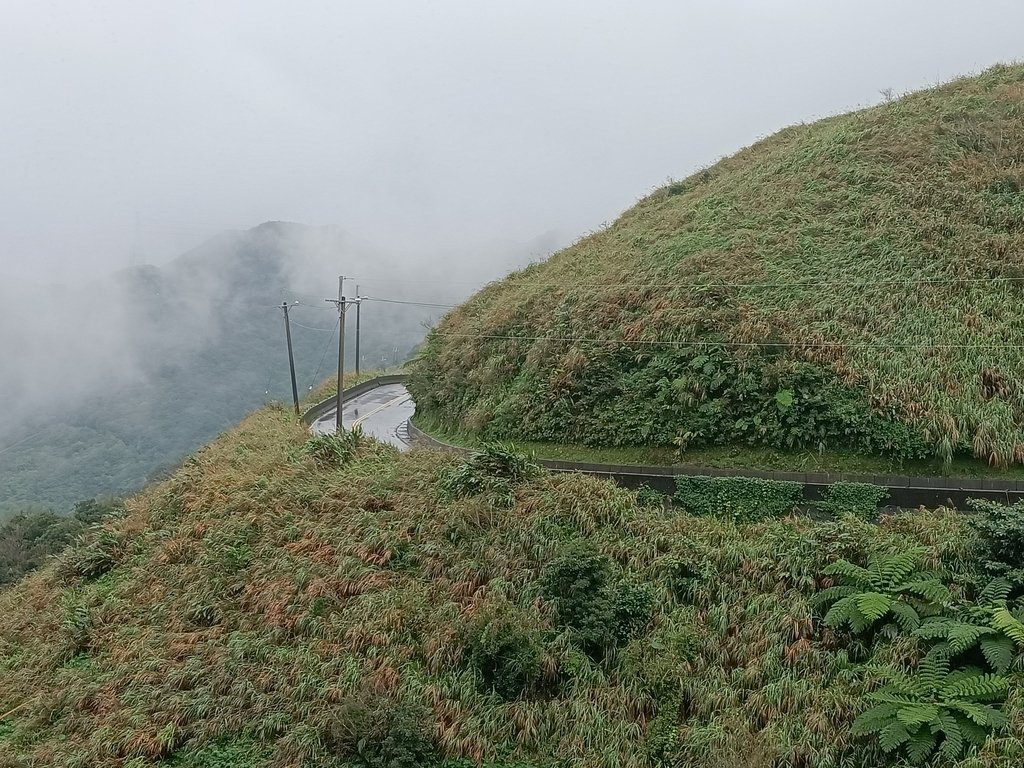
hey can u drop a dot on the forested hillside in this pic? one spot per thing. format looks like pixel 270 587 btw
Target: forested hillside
pixel 109 384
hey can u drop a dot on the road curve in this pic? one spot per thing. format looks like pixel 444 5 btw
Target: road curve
pixel 382 413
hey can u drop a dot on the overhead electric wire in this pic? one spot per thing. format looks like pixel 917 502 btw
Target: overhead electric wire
pixel 791 284
pixel 313 328
pixel 23 440
pixel 412 303
pixel 725 343
pixel 323 357
pixel 314 306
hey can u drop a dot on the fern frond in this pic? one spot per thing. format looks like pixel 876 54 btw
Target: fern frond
pixel 873 605
pixel 929 589
pixel 953 736
pixel 830 595
pixel 839 613
pixel 996 591
pixel 972 732
pixel 874 719
pixel 920 746
pixel 934 627
pixel 906 616
pixel 895 568
pixel 983 686
pixel 932 672
pixel 998 651
pixel 963 635
pixel 1008 624
pixel 854 573
pixel 917 714
pixel 892 736
pixel 893 698
pixel 977 713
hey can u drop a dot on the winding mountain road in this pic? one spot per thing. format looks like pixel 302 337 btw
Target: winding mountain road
pixel 382 413
pixel 383 407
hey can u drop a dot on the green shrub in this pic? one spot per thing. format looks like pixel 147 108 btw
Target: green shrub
pixel 94 555
pixel 602 611
pixel 861 499
pixel 374 732
pixel 934 709
pixel 741 499
pixel 503 460
pixel 506 656
pixel 631 606
pixel 649 497
pixel 1000 531
pixel 495 471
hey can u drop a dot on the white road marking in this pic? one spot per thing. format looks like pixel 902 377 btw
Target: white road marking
pixel 381 407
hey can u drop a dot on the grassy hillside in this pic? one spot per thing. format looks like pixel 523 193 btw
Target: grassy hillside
pixel 287 602
pixel 855 283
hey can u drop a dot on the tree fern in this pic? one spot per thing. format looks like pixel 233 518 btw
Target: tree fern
pixel 934 708
pixel 891 592
pixel 990 627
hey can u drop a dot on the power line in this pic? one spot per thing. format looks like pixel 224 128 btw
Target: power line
pixel 23 440
pixel 705 285
pixel 695 343
pixel 313 306
pixel 412 303
pixel 323 357
pixel 313 328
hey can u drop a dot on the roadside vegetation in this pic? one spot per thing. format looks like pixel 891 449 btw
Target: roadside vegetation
pixel 27 539
pixel 733 456
pixel 849 287
pixel 291 601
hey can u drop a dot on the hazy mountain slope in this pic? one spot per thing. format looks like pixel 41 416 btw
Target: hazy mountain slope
pixel 113 381
pixel 855 282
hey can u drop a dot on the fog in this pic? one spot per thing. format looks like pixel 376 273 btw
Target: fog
pixel 145 127
pixel 430 147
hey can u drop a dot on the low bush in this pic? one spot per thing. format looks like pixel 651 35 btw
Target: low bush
pixel 333 449
pixel 740 499
pixel 495 471
pixel 506 655
pixel 602 611
pixel 370 731
pixel 1000 547
pixel 861 499
pixel 93 556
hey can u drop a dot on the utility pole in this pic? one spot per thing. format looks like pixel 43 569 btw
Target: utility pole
pixel 359 305
pixel 291 357
pixel 342 305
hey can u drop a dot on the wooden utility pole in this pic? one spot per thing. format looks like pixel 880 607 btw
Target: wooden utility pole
pixel 342 306
pixel 291 356
pixel 359 305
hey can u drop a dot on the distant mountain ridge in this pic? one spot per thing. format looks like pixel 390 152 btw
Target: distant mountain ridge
pixel 114 380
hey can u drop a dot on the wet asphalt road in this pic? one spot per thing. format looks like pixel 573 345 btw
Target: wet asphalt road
pixel 381 412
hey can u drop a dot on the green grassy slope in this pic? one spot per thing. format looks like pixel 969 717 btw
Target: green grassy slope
pixel 854 283
pixel 269 606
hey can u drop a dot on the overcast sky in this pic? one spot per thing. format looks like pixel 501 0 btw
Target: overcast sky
pixel 418 125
